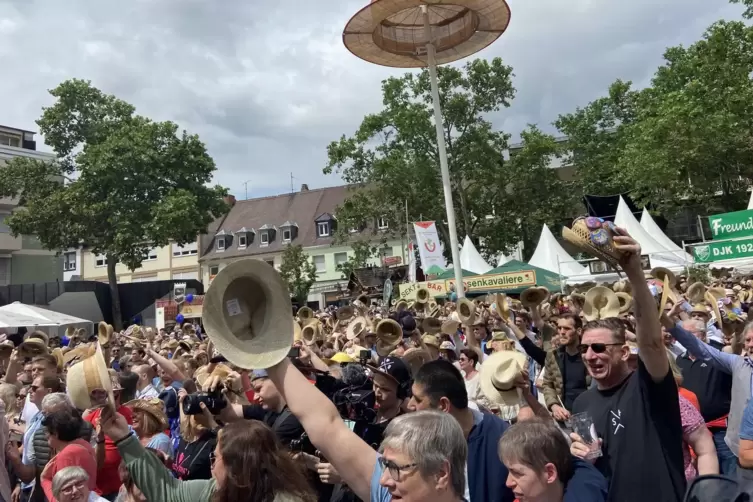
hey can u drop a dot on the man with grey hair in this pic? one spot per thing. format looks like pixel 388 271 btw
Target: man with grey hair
pixel 422 457
pixel 709 375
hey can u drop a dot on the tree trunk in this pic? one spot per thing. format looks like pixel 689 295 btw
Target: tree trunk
pixel 112 279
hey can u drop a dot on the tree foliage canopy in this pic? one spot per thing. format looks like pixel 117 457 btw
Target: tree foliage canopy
pixel 393 158
pixel 298 271
pixel 122 183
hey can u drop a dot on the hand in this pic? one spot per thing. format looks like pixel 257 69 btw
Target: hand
pixel 181 395
pixel 630 249
pixel 677 308
pixel 559 413
pixel 521 380
pixel 328 474
pixel 304 355
pixel 113 424
pixel 579 448
pixel 207 418
pixel 16 495
pixel 16 357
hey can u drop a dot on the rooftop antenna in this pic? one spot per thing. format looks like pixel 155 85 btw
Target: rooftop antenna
pixel 245 184
pixel 291 183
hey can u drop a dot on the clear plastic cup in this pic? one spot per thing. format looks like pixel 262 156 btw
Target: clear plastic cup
pixel 583 425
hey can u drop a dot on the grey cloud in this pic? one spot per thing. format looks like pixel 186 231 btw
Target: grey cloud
pixel 267 85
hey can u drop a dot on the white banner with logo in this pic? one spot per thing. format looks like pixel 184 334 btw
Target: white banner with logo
pixel 429 249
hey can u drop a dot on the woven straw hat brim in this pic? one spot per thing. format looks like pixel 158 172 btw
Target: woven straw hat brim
pixel 415 358
pixel 490 367
pixel 153 407
pixel 390 32
pixel 626 302
pixel 585 246
pixel 248 315
pixel 86 376
pixel 601 303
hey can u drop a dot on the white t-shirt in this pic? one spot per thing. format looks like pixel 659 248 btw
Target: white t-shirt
pixel 30 409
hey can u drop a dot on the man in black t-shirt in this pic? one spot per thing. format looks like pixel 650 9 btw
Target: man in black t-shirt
pixel 636 414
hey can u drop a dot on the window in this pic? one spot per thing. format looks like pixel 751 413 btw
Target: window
pixel 385 252
pixel 220 244
pixel 6 140
pixel 319 263
pixel 187 250
pixel 242 241
pixel 264 238
pixel 322 229
pixel 340 258
pixel 382 223
pixel 151 255
pixel 69 261
pixel 185 276
pixel 286 235
pixel 100 261
pixel 214 270
pixel 144 278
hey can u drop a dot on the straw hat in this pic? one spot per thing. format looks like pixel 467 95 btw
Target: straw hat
pixel 626 302
pixel 345 313
pixel 248 315
pixel 415 358
pixel 699 308
pixel 296 331
pixel 86 376
pixel 466 311
pixel 6 347
pixel 391 32
pixel 306 315
pixel 450 327
pixel 502 306
pixel 401 305
pixel 622 286
pixel 431 325
pixel 389 335
pixel 356 327
pixel 104 333
pixel 696 292
pixel 430 340
pixel 594 236
pixel 601 303
pixel 152 406
pixel 498 374
pixel 41 335
pixel 311 332
pixel 58 353
pixel 32 347
pixel 532 297
pixel 447 346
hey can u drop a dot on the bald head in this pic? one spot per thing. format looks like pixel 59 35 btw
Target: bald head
pixel 145 375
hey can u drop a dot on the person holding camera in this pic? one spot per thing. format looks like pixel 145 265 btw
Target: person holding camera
pixel 198 437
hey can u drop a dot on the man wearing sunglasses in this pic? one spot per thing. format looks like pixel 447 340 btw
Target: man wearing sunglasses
pixel 636 414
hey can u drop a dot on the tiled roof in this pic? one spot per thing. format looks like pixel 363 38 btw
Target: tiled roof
pixel 302 208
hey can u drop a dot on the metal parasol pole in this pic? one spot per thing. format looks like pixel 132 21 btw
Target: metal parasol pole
pixel 459 287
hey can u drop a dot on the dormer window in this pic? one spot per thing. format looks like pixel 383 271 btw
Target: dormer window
pixel 382 223
pixel 266 234
pixel 325 225
pixel 289 231
pixel 245 237
pixel 220 240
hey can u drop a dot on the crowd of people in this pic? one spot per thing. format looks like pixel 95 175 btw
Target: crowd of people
pixel 621 393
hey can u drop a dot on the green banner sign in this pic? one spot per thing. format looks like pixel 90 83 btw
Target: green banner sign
pixel 715 251
pixel 732 225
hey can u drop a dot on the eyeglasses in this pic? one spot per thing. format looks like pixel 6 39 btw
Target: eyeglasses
pixel 598 348
pixel 76 486
pixel 393 468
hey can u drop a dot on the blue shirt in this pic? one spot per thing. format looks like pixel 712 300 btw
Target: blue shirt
pixel 28 457
pixel 746 426
pixel 377 492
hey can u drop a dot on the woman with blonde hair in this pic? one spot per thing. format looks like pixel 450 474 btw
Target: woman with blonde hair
pixel 198 437
pixel 9 394
pixel 150 423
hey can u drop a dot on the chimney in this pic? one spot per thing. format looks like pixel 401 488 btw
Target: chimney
pixel 230 200
pixel 304 188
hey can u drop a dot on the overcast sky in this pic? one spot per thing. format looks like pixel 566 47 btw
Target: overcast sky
pixel 267 88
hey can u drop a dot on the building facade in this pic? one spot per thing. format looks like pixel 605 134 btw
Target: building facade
pixel 262 228
pixel 22 258
pixel 171 262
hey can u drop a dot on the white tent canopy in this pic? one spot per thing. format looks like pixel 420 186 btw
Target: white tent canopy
pixel 471 259
pixel 658 254
pixel 503 258
pixel 550 255
pixel 648 223
pixel 39 316
pixel 15 320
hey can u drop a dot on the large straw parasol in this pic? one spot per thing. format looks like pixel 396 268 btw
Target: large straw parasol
pixel 418 34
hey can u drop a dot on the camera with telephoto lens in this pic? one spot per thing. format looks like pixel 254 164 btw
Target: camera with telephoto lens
pixel 213 400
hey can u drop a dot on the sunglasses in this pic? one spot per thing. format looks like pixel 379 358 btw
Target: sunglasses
pixel 598 348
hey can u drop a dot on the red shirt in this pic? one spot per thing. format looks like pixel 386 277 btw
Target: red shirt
pixel 108 479
pixel 78 453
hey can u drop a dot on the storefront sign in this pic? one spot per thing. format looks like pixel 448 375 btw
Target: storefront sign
pixel 732 225
pixel 408 291
pixel 715 251
pixel 191 311
pixel 508 280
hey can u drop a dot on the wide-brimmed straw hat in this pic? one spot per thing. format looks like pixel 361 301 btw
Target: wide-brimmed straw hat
pixel 450 327
pixel 248 314
pixel 601 303
pixel 594 236
pixel 532 297
pixel 415 358
pixel 466 310
pixel 498 374
pixel 626 302
pixel 104 333
pixel 86 376
pixel 32 347
pixel 356 327
pixel 432 325
pixel 152 406
pixel 391 32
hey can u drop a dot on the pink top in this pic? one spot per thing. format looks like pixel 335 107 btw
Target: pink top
pixel 691 420
pixel 79 453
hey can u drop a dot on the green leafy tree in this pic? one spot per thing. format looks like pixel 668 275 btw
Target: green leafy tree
pixel 692 137
pixel 363 251
pixel 393 159
pixel 298 271
pixel 748 14
pixel 596 139
pixel 122 184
